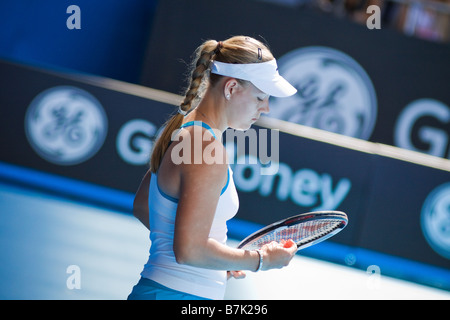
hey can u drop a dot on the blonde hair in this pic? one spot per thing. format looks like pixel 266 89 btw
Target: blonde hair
pixel 238 49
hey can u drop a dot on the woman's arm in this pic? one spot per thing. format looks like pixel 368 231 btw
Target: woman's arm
pixel 199 194
pixel 140 204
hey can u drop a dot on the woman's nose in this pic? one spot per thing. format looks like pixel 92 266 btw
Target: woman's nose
pixel 265 107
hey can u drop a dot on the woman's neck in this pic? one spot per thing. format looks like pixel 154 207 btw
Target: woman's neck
pixel 211 110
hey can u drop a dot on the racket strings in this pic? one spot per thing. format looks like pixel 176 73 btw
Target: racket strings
pixel 321 228
pixel 300 233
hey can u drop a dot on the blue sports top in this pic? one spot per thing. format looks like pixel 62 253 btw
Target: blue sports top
pixel 161 265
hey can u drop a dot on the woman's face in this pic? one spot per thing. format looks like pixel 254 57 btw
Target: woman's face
pixel 246 105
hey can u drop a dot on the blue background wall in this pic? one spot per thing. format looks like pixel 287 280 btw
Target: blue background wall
pixel 111 42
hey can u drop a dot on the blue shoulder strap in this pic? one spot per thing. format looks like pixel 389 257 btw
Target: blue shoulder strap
pixel 199 123
pixel 206 126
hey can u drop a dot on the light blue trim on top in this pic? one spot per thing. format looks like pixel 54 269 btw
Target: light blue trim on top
pixel 206 126
pixel 165 195
pixel 201 124
pixel 228 181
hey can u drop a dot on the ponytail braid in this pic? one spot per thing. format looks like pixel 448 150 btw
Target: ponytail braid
pixel 205 56
pixel 205 53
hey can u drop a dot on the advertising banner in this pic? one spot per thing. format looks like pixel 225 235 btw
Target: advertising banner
pixel 372 84
pixel 71 128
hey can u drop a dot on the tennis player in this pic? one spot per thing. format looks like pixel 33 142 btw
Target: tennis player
pixel 186 206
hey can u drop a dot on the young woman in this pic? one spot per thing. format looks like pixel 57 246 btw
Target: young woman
pixel 186 205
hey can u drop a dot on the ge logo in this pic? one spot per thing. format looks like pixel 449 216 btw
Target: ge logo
pixel 424 126
pixel 65 125
pixel 334 92
pixel 435 220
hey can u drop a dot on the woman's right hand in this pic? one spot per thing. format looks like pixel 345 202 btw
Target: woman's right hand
pixel 277 255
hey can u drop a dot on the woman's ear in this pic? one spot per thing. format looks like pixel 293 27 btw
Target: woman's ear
pixel 230 87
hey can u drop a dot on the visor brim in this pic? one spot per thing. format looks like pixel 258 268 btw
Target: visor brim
pixel 277 87
pixel 263 75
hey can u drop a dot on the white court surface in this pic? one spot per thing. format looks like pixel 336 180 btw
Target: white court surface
pixel 43 236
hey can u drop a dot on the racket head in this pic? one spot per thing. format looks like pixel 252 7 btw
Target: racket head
pixel 305 229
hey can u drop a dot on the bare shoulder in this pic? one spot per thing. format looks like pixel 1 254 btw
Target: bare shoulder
pixel 197 145
pixel 202 158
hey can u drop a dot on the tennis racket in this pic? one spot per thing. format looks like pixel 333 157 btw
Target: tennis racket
pixel 305 230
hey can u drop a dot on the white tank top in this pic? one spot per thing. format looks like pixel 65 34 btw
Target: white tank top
pixel 162 266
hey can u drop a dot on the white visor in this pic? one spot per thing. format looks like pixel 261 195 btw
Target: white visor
pixel 263 75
